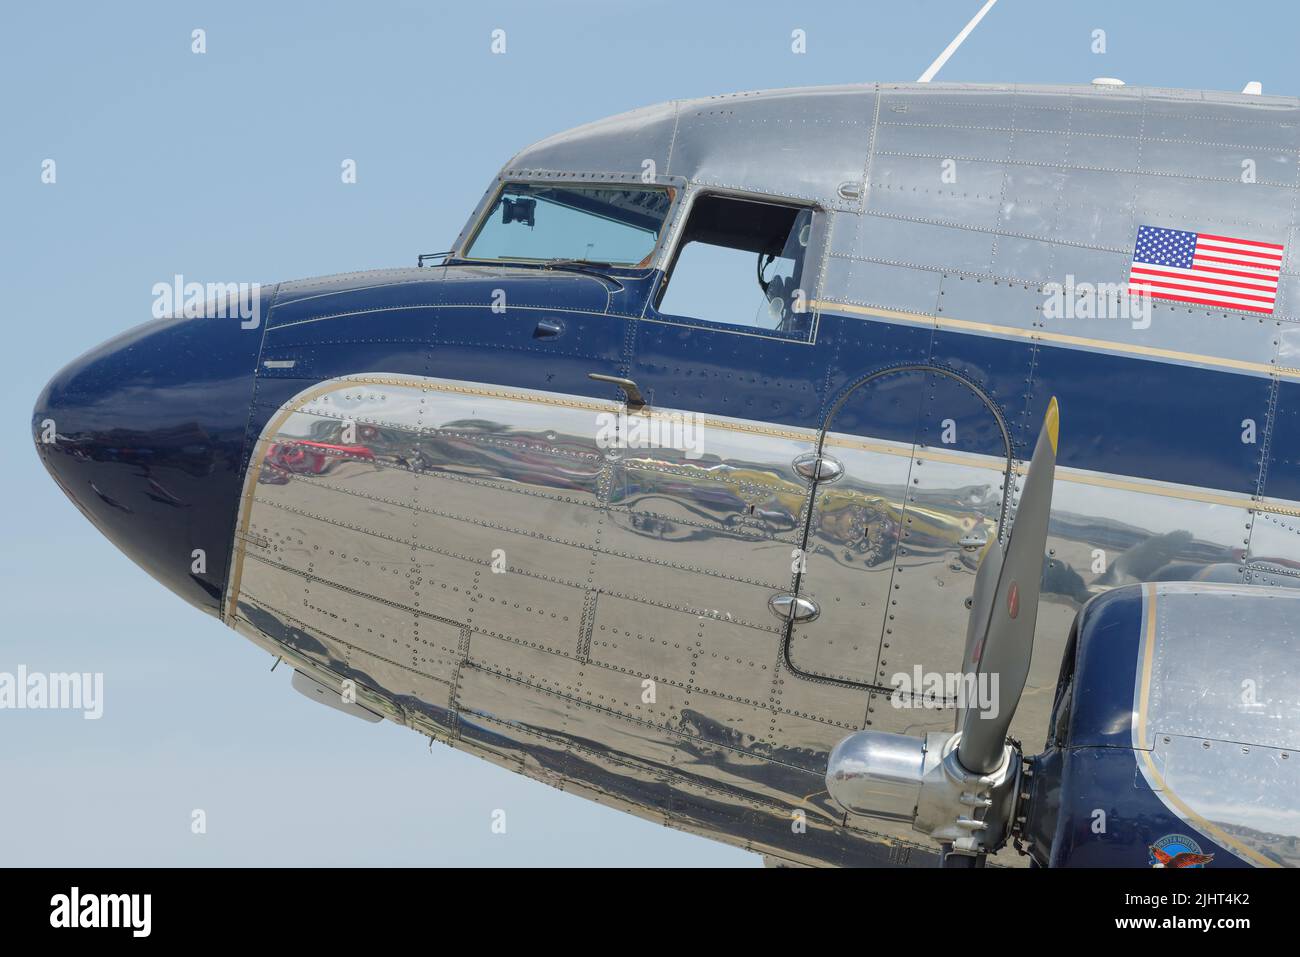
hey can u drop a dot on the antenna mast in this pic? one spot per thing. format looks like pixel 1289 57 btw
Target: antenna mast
pixel 951 48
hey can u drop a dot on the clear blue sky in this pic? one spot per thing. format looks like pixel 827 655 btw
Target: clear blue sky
pixel 225 167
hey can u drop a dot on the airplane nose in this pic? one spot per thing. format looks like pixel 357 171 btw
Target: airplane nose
pixel 145 434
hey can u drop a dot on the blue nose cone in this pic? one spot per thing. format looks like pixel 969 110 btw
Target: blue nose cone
pixel 146 435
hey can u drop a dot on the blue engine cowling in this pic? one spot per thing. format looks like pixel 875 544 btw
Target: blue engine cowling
pixel 1175 733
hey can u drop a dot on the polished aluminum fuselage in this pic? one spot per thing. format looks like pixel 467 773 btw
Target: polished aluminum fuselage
pixel 494 576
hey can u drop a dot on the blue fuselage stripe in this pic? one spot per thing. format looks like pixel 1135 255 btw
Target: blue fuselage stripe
pixel 1121 415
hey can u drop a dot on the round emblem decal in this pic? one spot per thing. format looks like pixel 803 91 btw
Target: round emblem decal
pixel 1177 850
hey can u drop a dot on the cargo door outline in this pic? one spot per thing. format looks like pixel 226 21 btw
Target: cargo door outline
pixel 806 634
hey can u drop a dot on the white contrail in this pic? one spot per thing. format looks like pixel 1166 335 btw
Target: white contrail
pixel 937 65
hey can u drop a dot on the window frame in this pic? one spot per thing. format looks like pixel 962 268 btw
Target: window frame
pixel 493 196
pixel 813 264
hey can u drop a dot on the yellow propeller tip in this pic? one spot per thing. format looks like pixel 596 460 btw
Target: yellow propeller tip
pixel 1052 423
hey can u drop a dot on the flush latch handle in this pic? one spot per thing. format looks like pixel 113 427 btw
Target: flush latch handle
pixel 635 400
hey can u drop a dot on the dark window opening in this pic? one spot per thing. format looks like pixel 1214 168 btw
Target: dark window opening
pixel 741 262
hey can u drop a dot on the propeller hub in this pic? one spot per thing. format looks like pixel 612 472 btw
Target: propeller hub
pixel 922 780
pixel 878 774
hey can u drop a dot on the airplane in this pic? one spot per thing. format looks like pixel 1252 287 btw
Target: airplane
pixel 771 466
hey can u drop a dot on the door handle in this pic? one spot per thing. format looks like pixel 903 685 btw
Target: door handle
pixel 635 400
pixel 793 608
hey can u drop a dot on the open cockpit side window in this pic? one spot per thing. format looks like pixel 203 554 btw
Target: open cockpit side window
pixel 740 262
pixel 548 222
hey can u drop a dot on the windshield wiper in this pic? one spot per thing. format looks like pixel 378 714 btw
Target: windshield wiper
pixel 588 266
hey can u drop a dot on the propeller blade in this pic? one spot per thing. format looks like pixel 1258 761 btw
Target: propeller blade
pixel 1000 637
pixel 977 624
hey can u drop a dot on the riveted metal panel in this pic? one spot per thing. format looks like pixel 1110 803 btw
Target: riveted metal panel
pixel 852 543
pixel 690 592
pixel 744 142
pixel 1178 538
pixel 529 692
pixel 925 244
pixel 948 500
pixel 1104 189
pixel 1251 211
pixel 1271 165
pixel 955 107
pixel 1270 121
pixel 524 660
pixel 1031 199
pixel 739 659
pixel 880 284
pixel 628 744
pixel 995 301
pixel 527 605
pixel 939 142
pixel 1163 326
pixel 1034 149
pixel 616 144
pixel 1204 718
pixel 1091 265
pixel 1097 151
pixel 835 705
pixel 683 649
pixel 937 190
pixel 803 741
pixel 1274 536
pixel 1247 792
pixel 508 717
pixel 903 714
pixel 618 692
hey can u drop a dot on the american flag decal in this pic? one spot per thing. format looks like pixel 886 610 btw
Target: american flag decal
pixel 1205 269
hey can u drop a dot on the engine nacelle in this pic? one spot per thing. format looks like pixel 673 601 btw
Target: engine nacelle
pixel 1175 734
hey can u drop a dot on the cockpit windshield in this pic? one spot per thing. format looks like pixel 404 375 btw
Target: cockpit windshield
pixel 605 225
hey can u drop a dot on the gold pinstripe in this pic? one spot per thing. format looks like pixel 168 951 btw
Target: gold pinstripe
pixel 1152 774
pixel 1040 335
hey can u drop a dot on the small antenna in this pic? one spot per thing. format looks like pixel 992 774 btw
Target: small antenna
pixel 937 65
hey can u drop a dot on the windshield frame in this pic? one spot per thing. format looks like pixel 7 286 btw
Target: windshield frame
pixel 493 197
